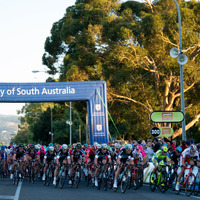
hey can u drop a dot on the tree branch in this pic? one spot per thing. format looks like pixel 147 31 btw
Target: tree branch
pixel 189 125
pixel 132 100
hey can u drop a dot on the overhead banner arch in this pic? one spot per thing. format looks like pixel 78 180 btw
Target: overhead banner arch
pixel 94 92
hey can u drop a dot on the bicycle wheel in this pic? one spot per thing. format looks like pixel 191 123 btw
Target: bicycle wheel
pixel 135 180
pixel 62 181
pixel 14 179
pixel 33 178
pixel 163 182
pixel 124 182
pixel 50 178
pixel 140 177
pixel 77 180
pixel 57 181
pixel 105 184
pixel 189 185
pixel 196 188
pixel 154 182
pixel 88 179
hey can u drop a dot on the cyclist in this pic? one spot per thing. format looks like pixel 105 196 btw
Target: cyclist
pixel 188 156
pixel 102 155
pixel 41 154
pixel 10 153
pixel 48 159
pixel 124 156
pixel 160 158
pixel 63 157
pixel 175 156
pixel 77 155
pixel 137 155
pixel 117 147
pixel 19 154
pixel 3 157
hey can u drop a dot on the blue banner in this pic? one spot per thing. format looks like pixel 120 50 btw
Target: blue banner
pixel 65 91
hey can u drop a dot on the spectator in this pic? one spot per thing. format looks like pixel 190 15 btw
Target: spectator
pixel 150 151
pixel 157 145
pixel 183 145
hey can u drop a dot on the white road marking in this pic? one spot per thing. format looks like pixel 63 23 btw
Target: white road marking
pixel 17 193
pixel 6 197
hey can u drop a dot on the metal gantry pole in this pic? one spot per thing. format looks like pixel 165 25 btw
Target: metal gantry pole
pixel 181 74
pixel 70 119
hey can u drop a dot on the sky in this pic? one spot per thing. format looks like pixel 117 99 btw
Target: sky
pixel 24 27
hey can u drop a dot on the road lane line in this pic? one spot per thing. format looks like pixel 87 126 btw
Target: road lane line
pixel 6 197
pixel 17 193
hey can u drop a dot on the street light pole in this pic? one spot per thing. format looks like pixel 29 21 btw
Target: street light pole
pixel 70 118
pixel 181 73
pixel 51 126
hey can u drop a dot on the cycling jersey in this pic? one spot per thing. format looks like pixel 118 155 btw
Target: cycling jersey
pixel 19 154
pixel 160 158
pixel 49 157
pixel 102 155
pixel 63 156
pixel 188 156
pixel 174 157
pixel 32 154
pixel 124 156
pixel 77 155
pixel 41 154
pixel 3 155
pixel 90 154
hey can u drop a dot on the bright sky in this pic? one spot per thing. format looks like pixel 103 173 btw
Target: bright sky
pixel 24 26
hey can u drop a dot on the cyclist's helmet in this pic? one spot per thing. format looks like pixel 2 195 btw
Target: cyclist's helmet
pixel 98 146
pixel 85 145
pixel 164 149
pixel 21 145
pixel 179 149
pixel 42 148
pixel 93 148
pixel 32 146
pixel 112 150
pixel 51 144
pixel 137 151
pixel 104 146
pixel 79 146
pixel 51 148
pixel 64 146
pixel 193 147
pixel 3 147
pixel 129 146
pixel 56 146
pixel 117 146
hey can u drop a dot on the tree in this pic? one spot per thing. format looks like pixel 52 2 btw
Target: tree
pixel 128 46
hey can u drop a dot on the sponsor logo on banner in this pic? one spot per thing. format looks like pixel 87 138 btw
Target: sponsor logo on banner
pixel 98 110
pixel 167 116
pixel 98 107
pixel 99 127
pixel 99 130
pixel 166 131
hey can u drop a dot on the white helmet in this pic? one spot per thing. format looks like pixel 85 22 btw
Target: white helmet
pixel 98 146
pixel 64 146
pixel 38 146
pixel 51 148
pixel 117 146
pixel 95 144
pixel 129 146
pixel 104 146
